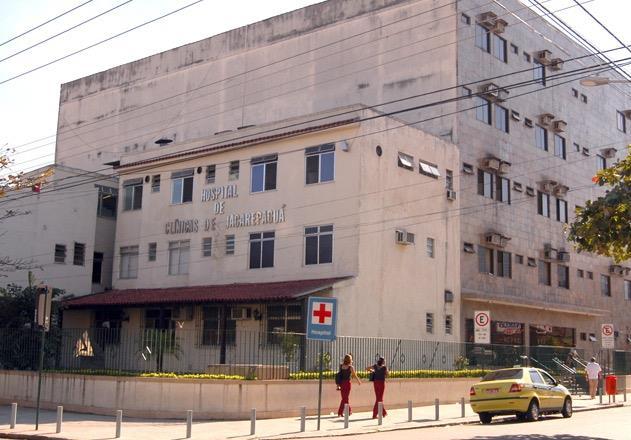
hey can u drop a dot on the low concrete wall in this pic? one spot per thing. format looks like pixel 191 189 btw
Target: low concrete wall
pixel 213 399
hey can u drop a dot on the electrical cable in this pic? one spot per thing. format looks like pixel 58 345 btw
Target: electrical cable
pixel 45 23
pixel 64 31
pixel 56 60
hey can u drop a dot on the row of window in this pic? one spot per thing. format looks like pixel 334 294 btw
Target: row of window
pixel 78 257
pixel 499 263
pixel 318 249
pixel 319 168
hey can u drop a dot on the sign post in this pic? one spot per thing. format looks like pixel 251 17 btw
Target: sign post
pixel 607 336
pixel 482 327
pixel 321 326
pixel 42 314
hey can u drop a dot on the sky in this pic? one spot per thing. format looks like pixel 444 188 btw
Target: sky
pixel 29 104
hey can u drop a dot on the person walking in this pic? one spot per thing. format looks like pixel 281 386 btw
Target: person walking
pixel 379 373
pixel 347 372
pixel 593 373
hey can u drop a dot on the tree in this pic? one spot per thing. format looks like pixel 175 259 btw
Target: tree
pixel 15 181
pixel 603 226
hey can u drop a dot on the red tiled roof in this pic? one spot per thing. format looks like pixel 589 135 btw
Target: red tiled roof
pixel 238 292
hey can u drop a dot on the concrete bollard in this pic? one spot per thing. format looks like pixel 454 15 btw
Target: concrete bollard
pixel 346 413
pixel 409 410
pixel 14 415
pixel 60 416
pixel 600 393
pixel 253 422
pixel 462 407
pixel 303 418
pixel 437 408
pixel 380 415
pixel 119 422
pixel 189 423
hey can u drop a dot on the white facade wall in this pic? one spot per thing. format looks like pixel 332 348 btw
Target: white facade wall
pixel 64 212
pixel 369 199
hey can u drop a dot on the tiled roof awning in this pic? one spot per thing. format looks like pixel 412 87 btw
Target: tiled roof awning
pixel 221 293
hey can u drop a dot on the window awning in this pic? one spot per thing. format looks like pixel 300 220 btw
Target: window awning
pixel 220 293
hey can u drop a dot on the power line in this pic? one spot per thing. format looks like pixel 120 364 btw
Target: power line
pixel 64 31
pixel 603 26
pixel 382 115
pixel 270 64
pixel 99 42
pixel 45 23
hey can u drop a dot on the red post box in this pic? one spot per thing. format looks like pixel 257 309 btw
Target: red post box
pixel 611 383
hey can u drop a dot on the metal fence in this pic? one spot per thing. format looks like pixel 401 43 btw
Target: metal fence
pixel 263 355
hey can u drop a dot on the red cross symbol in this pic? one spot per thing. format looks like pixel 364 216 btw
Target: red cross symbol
pixel 322 313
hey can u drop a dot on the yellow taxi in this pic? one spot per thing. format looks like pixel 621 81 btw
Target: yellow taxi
pixel 525 392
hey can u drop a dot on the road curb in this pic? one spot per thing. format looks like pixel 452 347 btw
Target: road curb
pixel 334 434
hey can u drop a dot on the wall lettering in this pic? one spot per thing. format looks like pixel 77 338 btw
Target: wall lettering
pixel 181 226
pixel 219 193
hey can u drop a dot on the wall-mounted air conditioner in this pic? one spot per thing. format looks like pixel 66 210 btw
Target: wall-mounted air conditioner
pixel 496 239
pixel 451 194
pixel 403 237
pixel 547 186
pixel 609 153
pixel 561 190
pixel 563 256
pixel 549 253
pixel 544 57
pixel 546 119
pixel 493 92
pixel 490 163
pixel 559 126
pixel 556 64
pixel 240 313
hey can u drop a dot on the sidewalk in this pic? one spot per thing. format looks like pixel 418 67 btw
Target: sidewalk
pixel 92 427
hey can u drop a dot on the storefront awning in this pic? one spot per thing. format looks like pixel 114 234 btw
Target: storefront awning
pixel 220 293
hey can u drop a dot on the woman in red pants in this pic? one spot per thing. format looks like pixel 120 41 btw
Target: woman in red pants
pixel 347 371
pixel 380 372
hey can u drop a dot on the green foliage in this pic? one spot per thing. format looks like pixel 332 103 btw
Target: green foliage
pixel 461 363
pixel 117 373
pixel 17 306
pixel 289 344
pixel 603 226
pixel 404 374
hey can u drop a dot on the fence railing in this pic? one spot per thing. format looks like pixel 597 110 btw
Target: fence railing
pixel 263 355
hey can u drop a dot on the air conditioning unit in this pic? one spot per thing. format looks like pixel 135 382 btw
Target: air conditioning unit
pixel 563 256
pixel 547 186
pixel 404 237
pixel 561 190
pixel 493 92
pixel 549 253
pixel 182 313
pixel 496 239
pixel 544 57
pixel 556 64
pixel 559 126
pixel 491 163
pixel 609 153
pixel 504 167
pixel 240 313
pixel 546 119
pixel 499 27
pixel 451 194
pixel 616 269
pixel 487 19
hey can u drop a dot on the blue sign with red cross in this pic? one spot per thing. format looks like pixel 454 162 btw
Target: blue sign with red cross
pixel 322 318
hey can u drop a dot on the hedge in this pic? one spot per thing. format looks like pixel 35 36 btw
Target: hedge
pixel 404 374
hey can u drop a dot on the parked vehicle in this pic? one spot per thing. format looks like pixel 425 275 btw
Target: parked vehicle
pixel 525 392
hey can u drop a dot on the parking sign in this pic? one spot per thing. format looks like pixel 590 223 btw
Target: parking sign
pixel 482 327
pixel 322 318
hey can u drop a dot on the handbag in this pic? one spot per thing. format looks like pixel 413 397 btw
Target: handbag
pixel 338 377
pixel 371 376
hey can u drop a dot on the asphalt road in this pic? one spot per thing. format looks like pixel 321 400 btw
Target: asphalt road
pixel 610 424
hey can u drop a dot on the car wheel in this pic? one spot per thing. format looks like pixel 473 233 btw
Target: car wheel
pixel 521 416
pixel 567 408
pixel 485 418
pixel 533 411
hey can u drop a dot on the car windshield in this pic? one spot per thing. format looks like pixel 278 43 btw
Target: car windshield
pixel 516 373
